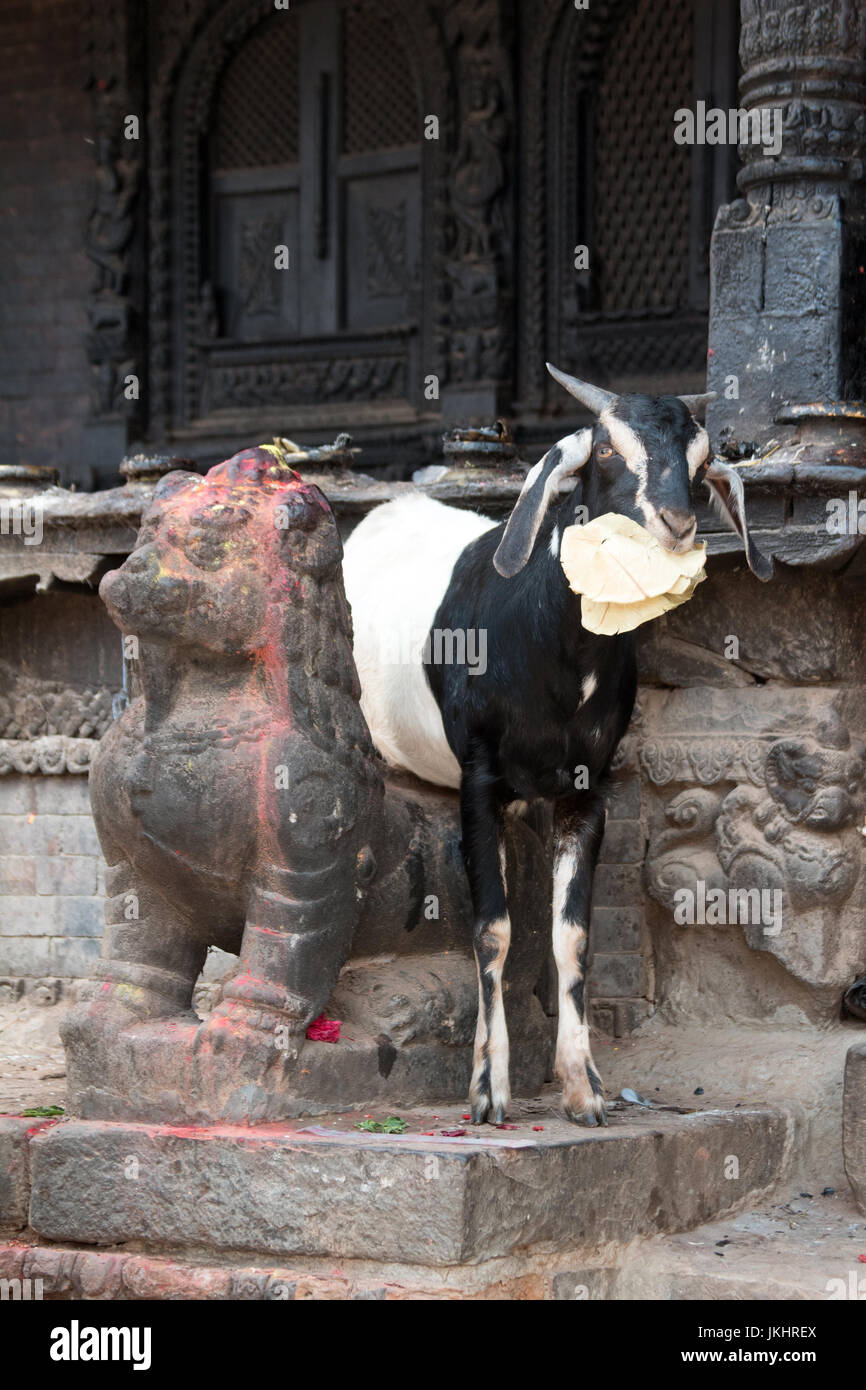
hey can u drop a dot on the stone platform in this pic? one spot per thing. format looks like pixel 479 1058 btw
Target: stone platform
pixel 424 1212
pixel 854 1122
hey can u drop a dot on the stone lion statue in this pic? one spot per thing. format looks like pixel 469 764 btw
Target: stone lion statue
pixel 240 803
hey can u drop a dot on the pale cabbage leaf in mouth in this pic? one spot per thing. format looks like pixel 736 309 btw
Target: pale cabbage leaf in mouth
pixel 624 575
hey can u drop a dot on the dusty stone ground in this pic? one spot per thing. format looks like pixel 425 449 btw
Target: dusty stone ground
pixel 32 1061
pixel 807 1245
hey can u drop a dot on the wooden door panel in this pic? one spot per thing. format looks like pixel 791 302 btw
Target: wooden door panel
pixel 259 302
pixel 380 249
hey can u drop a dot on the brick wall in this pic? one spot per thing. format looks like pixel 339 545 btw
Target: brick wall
pixel 44 274
pixel 51 880
pixel 620 984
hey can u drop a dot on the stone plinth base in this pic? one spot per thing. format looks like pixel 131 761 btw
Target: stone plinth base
pixel 422 1209
pixel 188 1073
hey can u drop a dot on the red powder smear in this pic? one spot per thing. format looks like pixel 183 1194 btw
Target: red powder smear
pixel 324 1029
pixel 453 1133
pixel 862 1259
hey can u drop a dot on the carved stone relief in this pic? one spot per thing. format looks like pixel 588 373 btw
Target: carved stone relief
pixel 31 709
pixel 778 815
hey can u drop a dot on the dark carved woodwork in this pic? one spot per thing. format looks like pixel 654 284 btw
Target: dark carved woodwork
pixel 413 237
pixel 590 156
pixel 112 235
pixel 305 380
pixel 476 327
pixel 256 281
pixel 385 243
pixel 617 183
pixel 193 314
pixel 822 98
pixel 380 107
pixel 248 131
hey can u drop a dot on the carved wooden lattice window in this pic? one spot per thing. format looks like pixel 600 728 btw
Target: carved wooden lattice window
pixel 314 146
pixel 643 184
pixel 257 116
pixel 642 204
pixel 381 109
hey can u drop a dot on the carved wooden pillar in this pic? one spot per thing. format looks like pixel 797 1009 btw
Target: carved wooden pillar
pixel 787 265
pixel 478 349
pixel 113 51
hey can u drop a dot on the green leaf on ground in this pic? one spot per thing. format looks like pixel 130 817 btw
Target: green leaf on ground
pixel 393 1125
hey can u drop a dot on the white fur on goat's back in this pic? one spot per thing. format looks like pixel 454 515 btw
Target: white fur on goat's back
pixel 397 566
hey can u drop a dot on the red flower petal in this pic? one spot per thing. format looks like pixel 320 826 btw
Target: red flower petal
pixel 324 1029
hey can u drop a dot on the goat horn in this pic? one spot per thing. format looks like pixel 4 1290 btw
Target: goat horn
pixel 593 397
pixel 698 404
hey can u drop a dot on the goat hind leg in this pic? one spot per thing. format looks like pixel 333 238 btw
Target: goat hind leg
pixel 489 1092
pixel 578 839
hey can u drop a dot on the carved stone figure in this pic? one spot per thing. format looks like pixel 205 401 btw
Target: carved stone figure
pixel 791 828
pixel 239 803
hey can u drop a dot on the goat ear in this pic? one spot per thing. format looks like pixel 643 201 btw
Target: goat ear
pixel 542 482
pixel 726 488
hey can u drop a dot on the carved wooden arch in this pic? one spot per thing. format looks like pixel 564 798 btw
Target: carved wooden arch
pixel 191 58
pixel 549 41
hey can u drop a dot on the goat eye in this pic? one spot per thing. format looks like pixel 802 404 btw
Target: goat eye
pixel 604 451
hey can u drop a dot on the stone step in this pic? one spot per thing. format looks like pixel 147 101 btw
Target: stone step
pixel 324 1189
pixel 807 1247
pixel 791 1250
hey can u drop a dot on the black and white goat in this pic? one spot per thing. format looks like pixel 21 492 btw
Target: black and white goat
pixel 542 714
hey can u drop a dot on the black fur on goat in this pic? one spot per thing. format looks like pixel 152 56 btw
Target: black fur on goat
pixel 542 722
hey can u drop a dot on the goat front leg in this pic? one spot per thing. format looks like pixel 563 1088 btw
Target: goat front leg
pixel 484 857
pixel 576 846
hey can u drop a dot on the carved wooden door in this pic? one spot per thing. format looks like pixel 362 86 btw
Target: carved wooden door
pixel 315 148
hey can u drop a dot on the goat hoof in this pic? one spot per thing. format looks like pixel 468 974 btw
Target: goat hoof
pixel 486 1111
pixel 591 1116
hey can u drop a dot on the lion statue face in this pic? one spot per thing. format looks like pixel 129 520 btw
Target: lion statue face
pixel 815 785
pixel 219 558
